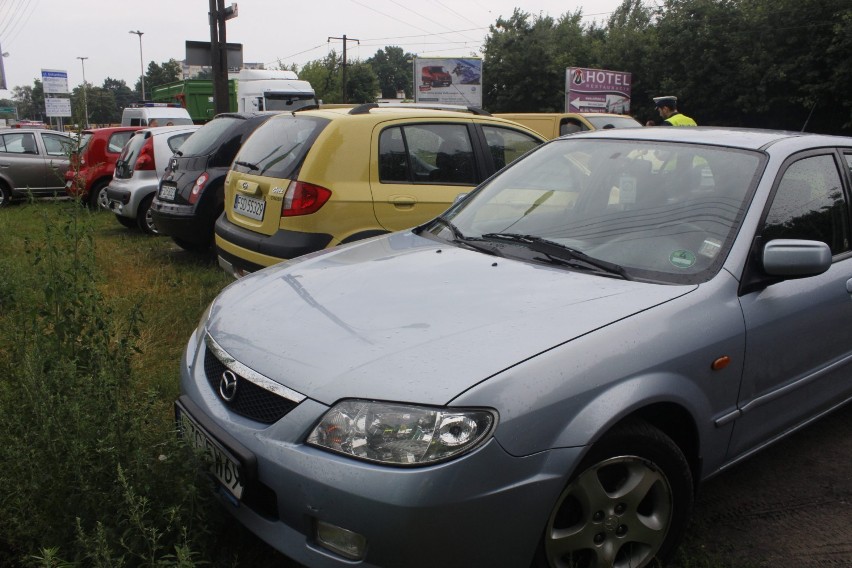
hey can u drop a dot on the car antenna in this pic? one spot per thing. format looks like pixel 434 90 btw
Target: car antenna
pixel 807 120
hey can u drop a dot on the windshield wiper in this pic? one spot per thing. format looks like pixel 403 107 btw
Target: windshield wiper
pixel 558 252
pixel 248 165
pixel 470 242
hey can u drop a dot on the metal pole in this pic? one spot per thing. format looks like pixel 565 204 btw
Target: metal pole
pixel 85 101
pixel 141 64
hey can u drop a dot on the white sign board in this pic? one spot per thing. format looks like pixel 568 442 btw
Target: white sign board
pixel 56 106
pixel 451 81
pixel 54 82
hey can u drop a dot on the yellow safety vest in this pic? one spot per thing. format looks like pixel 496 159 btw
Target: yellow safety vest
pixel 678 119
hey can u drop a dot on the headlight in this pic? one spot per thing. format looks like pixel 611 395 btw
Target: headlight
pixel 401 434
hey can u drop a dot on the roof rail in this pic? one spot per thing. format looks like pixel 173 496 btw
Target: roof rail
pixel 367 107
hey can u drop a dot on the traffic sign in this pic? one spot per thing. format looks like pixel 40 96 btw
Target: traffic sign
pixel 7 109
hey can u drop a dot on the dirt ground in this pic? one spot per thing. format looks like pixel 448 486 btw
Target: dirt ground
pixel 790 505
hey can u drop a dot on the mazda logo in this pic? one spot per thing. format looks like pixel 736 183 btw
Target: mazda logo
pixel 228 386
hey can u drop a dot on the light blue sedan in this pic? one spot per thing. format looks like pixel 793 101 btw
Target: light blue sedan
pixel 544 374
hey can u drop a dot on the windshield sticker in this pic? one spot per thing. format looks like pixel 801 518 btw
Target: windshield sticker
pixel 710 248
pixel 682 258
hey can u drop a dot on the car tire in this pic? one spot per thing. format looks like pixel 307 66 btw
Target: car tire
pixel 5 195
pixel 144 217
pixel 98 196
pixel 627 505
pixel 126 221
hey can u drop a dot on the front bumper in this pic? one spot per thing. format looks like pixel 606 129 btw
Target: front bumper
pixel 487 508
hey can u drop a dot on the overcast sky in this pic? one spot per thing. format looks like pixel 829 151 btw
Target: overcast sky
pixel 54 34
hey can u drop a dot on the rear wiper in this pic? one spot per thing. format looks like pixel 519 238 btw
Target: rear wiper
pixel 470 242
pixel 559 252
pixel 248 165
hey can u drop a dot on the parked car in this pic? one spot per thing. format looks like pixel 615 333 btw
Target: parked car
pixel 33 161
pixel 435 76
pixel 93 163
pixel 191 193
pixel 544 373
pixel 313 179
pixel 554 124
pixel 138 171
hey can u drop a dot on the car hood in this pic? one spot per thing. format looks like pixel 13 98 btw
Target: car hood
pixel 405 318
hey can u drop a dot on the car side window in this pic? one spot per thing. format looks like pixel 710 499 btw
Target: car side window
pixel 19 143
pixel 507 145
pixel 57 145
pixel 437 154
pixel 848 158
pixel 570 126
pixel 118 140
pixel 176 141
pixel 809 204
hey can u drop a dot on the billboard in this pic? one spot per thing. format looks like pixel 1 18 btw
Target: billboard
pixel 453 81
pixel 597 90
pixel 54 82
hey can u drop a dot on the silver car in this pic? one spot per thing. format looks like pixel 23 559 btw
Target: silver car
pixel 33 161
pixel 542 375
pixel 138 170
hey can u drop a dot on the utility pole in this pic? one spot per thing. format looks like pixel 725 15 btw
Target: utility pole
pixel 219 53
pixel 85 88
pixel 344 64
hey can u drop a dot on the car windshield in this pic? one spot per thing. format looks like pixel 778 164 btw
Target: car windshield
pixel 209 137
pixel 278 101
pixel 85 138
pixel 278 146
pixel 647 210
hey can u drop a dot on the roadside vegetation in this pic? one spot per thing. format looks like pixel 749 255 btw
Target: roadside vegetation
pixel 93 321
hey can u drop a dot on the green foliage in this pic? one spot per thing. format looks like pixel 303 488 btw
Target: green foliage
pixel 393 68
pixel 93 474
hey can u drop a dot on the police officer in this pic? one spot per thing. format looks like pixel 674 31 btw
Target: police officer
pixel 667 107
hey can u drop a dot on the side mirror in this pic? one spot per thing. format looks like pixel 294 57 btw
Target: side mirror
pixel 793 258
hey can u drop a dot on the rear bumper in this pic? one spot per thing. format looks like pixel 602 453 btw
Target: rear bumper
pixel 248 251
pixel 185 222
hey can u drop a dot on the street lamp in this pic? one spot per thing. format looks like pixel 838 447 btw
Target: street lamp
pixel 85 101
pixel 141 65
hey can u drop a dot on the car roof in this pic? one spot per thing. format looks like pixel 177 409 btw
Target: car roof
pixel 167 129
pixel 13 130
pixel 746 138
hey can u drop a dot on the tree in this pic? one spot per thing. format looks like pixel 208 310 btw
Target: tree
pixel 168 72
pixel 394 70
pixel 323 75
pixel 121 94
pixel 363 85
pixel 30 101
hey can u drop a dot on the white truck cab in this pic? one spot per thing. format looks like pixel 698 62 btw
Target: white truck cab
pixel 267 89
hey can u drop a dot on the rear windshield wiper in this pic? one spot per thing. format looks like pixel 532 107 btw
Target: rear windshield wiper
pixel 559 252
pixel 470 242
pixel 248 165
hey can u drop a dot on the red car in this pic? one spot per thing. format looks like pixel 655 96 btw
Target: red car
pixel 436 76
pixel 93 164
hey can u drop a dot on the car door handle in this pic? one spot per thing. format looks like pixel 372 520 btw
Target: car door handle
pixel 403 201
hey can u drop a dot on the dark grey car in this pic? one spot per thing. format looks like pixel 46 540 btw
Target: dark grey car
pixel 543 375
pixel 33 161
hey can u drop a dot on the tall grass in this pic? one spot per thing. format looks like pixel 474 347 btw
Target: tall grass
pixel 93 320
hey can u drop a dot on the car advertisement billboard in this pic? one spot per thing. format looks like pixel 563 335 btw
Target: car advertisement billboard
pixel 597 90
pixel 453 81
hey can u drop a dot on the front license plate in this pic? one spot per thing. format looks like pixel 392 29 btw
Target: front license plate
pixel 167 192
pixel 249 207
pixel 223 465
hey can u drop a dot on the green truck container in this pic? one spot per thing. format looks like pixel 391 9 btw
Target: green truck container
pixel 196 95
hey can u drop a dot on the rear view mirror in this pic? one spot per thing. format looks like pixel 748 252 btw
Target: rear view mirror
pixel 793 258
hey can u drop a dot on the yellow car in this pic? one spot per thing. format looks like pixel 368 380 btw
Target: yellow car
pixel 556 124
pixel 313 179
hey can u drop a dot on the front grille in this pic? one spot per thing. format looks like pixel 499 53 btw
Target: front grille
pixel 252 401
